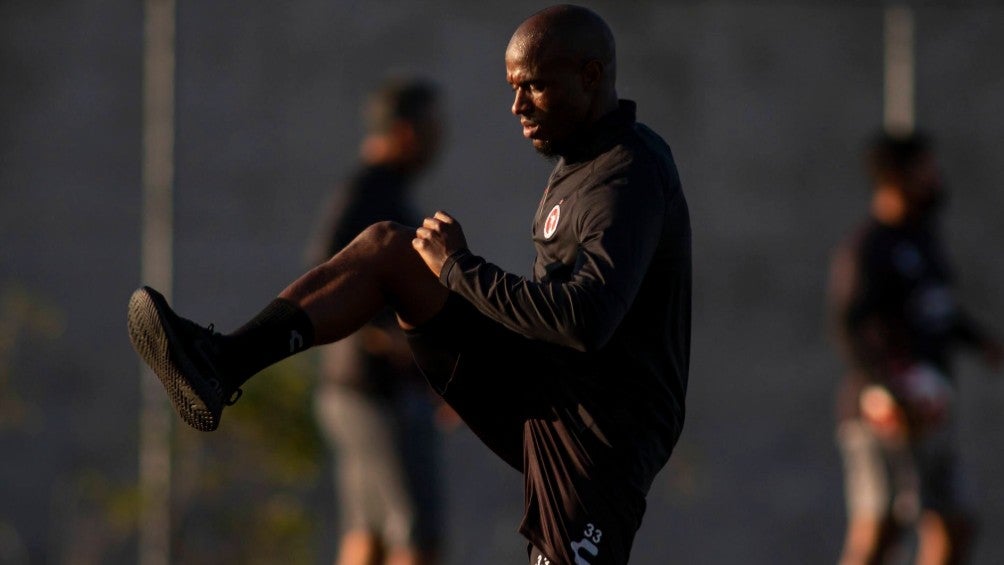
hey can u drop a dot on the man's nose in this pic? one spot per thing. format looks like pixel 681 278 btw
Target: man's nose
pixel 520 103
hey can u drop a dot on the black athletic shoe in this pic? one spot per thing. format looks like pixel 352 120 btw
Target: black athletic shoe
pixel 185 357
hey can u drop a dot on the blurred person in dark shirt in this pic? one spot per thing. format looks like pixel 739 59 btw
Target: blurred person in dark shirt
pixel 372 402
pixel 897 322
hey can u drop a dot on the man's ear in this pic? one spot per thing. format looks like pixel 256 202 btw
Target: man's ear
pixel 592 74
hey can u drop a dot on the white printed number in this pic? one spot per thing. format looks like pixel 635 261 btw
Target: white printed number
pixel 588 547
pixel 541 560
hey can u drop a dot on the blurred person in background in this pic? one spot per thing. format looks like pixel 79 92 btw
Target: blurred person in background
pixel 897 323
pixel 372 403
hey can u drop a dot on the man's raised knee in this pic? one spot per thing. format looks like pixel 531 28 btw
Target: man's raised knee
pixel 387 235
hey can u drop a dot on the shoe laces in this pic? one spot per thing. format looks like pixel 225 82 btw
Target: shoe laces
pixel 238 392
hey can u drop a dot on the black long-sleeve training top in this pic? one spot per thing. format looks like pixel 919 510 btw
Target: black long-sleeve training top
pixel 611 288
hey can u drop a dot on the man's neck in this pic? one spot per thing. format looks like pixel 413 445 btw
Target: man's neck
pixel 603 106
pixel 594 135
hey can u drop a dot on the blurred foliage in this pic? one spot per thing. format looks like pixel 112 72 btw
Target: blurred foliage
pixel 22 313
pixel 243 494
pixel 96 516
pixel 12 549
pixel 247 492
pixel 92 516
pixel 276 415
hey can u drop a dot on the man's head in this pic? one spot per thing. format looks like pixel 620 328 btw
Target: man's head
pixel 403 124
pixel 905 174
pixel 561 65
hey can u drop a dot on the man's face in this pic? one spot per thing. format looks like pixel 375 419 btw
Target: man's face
pixel 550 100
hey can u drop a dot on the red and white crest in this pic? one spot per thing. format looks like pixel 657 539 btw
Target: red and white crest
pixel 551 223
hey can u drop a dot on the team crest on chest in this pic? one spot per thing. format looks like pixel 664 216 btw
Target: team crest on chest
pixel 551 223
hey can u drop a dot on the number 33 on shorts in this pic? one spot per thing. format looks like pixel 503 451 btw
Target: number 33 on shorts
pixel 589 544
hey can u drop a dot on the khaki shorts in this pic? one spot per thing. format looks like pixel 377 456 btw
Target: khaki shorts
pixel 386 463
pixel 885 479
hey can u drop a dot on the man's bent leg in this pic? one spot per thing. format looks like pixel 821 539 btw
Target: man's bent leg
pixel 379 268
pixel 201 370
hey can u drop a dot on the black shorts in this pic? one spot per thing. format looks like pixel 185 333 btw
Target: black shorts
pixel 521 399
pixel 480 368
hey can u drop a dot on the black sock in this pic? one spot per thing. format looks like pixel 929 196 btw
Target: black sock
pixel 279 331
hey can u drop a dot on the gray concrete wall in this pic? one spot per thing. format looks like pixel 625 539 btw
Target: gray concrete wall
pixel 766 108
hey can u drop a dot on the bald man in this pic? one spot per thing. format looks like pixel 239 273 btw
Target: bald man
pixel 576 377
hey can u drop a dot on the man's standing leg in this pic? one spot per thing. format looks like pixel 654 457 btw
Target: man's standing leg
pixel 873 531
pixel 946 529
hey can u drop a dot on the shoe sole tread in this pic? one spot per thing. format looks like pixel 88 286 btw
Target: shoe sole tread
pixel 157 344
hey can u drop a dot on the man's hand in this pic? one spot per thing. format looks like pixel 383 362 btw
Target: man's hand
pixel 438 238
